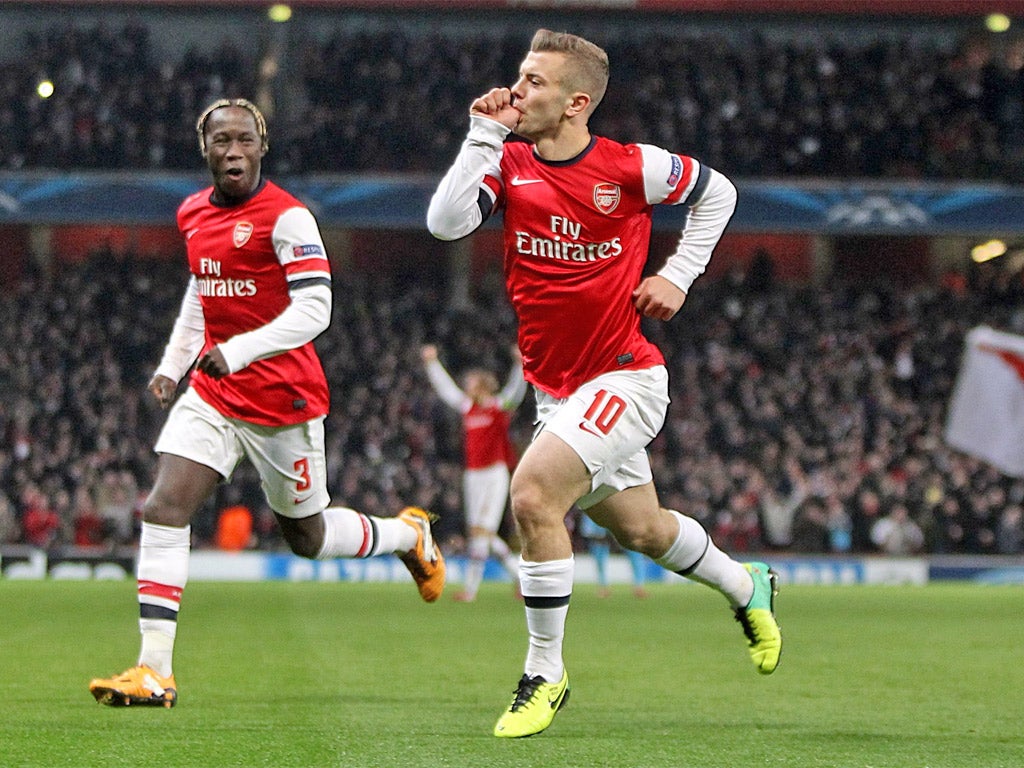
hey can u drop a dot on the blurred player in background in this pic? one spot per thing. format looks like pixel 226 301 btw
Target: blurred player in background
pixel 488 455
pixel 259 293
pixel 577 225
pixel 599 546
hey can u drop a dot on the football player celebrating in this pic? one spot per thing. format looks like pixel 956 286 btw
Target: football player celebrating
pixel 258 295
pixel 577 223
pixel 487 453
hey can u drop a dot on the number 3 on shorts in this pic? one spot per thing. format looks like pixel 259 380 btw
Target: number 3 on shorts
pixel 304 483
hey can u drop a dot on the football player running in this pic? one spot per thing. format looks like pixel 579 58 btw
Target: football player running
pixel 577 212
pixel 258 295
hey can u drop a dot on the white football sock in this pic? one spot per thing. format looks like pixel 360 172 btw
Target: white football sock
pixel 695 556
pixel 162 576
pixel 546 589
pixel 348 533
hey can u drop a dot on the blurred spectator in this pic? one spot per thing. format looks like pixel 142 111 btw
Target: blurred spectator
pixel 90 529
pixel 10 529
pixel 40 523
pixel 810 527
pixel 737 528
pixel 1010 533
pixel 779 504
pixel 840 526
pixel 867 512
pixel 897 534
pixel 116 499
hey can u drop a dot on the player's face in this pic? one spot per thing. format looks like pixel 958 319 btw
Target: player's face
pixel 539 94
pixel 233 151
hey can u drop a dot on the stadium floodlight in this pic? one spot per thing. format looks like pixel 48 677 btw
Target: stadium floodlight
pixel 997 22
pixel 279 12
pixel 983 252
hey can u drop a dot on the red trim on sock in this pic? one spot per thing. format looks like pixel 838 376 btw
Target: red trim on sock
pixel 364 548
pixel 166 591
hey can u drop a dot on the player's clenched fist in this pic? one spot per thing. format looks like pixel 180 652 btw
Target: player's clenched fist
pixel 497 105
pixel 163 389
pixel 658 298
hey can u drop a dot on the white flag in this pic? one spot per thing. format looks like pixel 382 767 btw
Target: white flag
pixel 986 412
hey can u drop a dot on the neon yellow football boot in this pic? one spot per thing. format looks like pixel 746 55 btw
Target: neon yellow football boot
pixel 533 707
pixel 758 619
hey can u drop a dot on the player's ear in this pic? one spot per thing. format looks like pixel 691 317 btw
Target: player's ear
pixel 578 104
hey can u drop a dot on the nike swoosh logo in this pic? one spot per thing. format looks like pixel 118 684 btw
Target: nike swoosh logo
pixel 585 428
pixel 517 182
pixel 302 501
pixel 555 697
pixel 190 233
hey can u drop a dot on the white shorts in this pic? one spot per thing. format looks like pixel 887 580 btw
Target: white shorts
pixel 486 494
pixel 290 460
pixel 608 422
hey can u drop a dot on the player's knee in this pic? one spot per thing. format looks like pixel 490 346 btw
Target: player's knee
pixel 528 506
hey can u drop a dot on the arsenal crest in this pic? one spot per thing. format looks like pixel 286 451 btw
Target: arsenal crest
pixel 606 197
pixel 242 233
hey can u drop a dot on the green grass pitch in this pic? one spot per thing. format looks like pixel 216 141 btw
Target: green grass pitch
pixel 366 675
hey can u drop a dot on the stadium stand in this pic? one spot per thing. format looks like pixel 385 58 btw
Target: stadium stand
pixel 389 93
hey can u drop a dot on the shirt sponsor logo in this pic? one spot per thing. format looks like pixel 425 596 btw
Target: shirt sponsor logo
pixel 242 233
pixel 566 250
pixel 302 251
pixel 226 288
pixel 676 172
pixel 607 197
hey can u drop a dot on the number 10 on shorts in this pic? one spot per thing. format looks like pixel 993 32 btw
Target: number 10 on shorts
pixel 604 412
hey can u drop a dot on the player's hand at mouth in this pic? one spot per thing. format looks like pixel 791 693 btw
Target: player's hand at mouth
pixel 497 105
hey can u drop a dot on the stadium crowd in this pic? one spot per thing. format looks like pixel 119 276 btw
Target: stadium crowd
pixel 801 415
pixel 804 418
pixel 750 100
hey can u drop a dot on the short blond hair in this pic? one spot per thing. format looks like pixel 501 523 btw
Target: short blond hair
pixel 252 109
pixel 588 63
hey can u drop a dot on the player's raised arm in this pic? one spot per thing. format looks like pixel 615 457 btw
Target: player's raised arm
pixel 466 196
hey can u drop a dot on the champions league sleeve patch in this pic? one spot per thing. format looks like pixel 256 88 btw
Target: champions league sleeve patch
pixel 676 172
pixel 308 251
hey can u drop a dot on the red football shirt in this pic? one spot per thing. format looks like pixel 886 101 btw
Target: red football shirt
pixel 242 262
pixel 486 436
pixel 576 237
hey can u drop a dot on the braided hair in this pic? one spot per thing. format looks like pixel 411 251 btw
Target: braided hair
pixel 261 122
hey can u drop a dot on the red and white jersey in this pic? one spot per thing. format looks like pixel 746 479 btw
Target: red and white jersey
pixel 576 239
pixel 244 260
pixel 486 436
pixel 485 425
